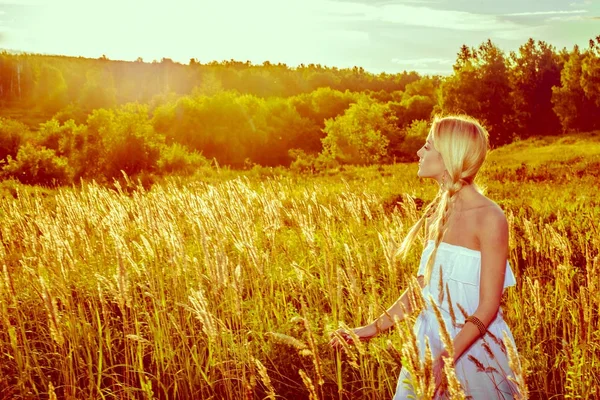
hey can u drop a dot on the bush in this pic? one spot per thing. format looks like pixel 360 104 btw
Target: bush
pixel 176 159
pixel 310 162
pixel 38 166
pixel 63 138
pixel 120 141
pixel 72 111
pixel 12 134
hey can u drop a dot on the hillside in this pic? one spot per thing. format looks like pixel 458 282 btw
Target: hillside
pixel 548 149
pixel 229 271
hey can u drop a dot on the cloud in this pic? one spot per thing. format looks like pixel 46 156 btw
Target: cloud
pixel 569 18
pixel 583 3
pixel 457 20
pixel 410 15
pixel 533 13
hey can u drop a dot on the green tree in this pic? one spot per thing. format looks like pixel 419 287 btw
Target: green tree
pixel 51 89
pixel 362 134
pixel 316 107
pixel 535 69
pixel 414 136
pixel 226 126
pixel 286 129
pixel 428 86
pixel 98 91
pixel 480 87
pixel 10 88
pixel 575 106
pixel 590 72
pixel 413 108
pixel 322 104
pixel 209 84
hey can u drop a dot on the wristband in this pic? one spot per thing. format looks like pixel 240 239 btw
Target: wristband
pixel 473 319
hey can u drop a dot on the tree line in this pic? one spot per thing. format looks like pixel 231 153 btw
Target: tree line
pixel 101 117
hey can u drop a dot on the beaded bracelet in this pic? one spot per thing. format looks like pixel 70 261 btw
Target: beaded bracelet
pixel 473 319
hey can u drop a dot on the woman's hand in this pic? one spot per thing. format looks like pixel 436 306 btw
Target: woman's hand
pixel 439 377
pixel 364 333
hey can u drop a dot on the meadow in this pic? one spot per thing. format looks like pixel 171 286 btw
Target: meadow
pixel 229 284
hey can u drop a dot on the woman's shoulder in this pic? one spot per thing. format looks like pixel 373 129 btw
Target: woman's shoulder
pixel 491 222
pixel 486 217
pixel 488 213
pixel 489 209
pixel 480 205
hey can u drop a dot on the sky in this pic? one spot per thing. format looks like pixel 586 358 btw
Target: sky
pixel 380 36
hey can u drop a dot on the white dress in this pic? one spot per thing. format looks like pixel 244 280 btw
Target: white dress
pixel 460 267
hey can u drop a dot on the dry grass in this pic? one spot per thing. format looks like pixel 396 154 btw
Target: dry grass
pixel 231 290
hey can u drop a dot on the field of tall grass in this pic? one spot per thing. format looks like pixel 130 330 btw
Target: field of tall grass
pixel 229 287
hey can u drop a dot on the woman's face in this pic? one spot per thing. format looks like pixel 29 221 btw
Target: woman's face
pixel 431 164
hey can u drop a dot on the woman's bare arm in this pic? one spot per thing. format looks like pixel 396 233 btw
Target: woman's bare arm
pixel 399 310
pixel 494 253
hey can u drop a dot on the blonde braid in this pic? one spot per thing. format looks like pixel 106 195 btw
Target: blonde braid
pixel 440 225
pixel 414 230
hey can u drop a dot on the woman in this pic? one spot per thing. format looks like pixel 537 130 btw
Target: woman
pixel 463 271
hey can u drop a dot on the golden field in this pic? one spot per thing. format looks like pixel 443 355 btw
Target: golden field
pixel 228 285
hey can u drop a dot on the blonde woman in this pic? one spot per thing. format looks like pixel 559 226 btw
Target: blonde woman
pixel 463 269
